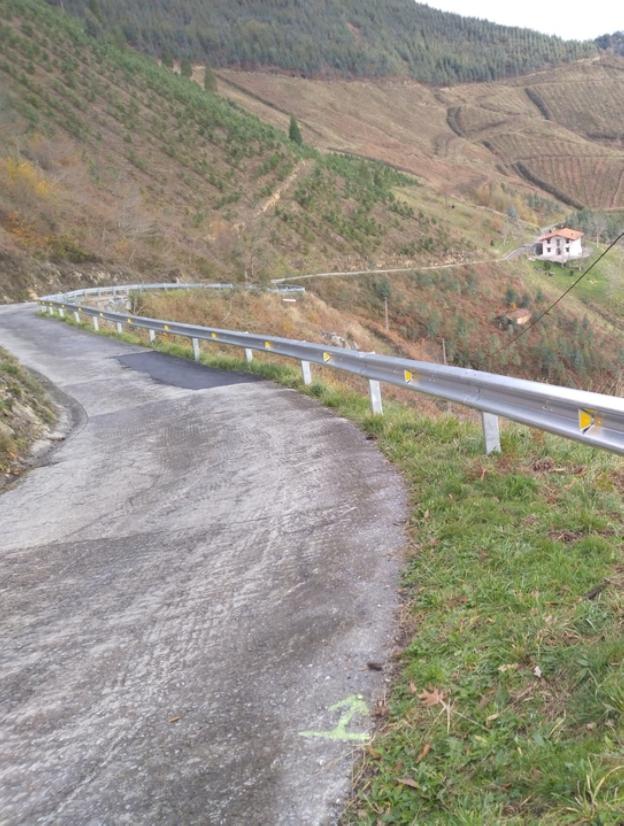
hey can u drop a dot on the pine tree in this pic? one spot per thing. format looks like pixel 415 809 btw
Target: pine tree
pixel 394 38
pixel 294 133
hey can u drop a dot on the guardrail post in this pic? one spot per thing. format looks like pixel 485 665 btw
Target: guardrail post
pixel 491 433
pixel 306 372
pixel 50 309
pixel 76 316
pixel 152 336
pixel 374 392
pixel 248 355
pixel 119 328
pixel 96 323
pixel 62 312
pixel 196 351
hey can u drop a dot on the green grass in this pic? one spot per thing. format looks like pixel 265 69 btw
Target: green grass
pixel 513 613
pixel 600 288
pixel 506 550
pixel 594 287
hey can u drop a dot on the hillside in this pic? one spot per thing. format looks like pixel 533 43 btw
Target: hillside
pixel 112 167
pixel 119 169
pixel 340 38
pixel 430 315
pixel 26 413
pixel 559 130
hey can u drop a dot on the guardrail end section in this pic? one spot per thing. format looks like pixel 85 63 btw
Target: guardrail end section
pixel 491 433
pixel 374 392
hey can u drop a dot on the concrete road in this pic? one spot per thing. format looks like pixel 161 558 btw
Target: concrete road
pixel 192 586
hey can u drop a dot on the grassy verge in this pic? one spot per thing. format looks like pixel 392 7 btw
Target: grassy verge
pixel 24 411
pixel 508 701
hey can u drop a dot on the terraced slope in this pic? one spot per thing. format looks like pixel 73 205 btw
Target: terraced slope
pixel 562 130
pixel 559 130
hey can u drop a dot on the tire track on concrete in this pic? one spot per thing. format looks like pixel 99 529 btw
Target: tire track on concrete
pixel 195 579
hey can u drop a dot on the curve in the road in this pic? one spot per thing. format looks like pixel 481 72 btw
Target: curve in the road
pixel 192 587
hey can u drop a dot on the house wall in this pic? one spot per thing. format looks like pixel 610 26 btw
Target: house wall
pixel 561 249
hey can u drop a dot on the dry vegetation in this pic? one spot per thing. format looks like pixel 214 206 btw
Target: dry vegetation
pixel 305 316
pixel 400 122
pixel 25 413
pixel 427 311
pixel 111 165
pixel 456 138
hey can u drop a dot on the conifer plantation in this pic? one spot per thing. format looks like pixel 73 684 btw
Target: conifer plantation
pixel 341 38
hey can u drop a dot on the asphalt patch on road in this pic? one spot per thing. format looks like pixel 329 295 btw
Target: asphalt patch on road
pixel 180 373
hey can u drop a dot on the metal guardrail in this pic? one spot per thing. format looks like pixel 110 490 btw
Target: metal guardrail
pixel 592 418
pixel 124 290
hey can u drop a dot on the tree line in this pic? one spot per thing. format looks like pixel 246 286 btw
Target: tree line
pixel 347 38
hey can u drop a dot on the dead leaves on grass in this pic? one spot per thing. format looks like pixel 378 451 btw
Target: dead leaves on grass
pixel 423 752
pixel 435 697
pixel 407 781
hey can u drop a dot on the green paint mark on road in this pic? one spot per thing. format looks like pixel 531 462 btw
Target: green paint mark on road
pixel 353 706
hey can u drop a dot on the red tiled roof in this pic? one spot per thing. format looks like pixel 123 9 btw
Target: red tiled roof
pixel 568 234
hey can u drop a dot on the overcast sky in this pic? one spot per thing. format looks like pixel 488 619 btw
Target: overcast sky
pixel 578 21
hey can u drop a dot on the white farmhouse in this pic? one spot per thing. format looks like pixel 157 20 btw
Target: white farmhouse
pixel 560 245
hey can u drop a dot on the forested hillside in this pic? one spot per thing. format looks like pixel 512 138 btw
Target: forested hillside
pixel 112 167
pixel 108 160
pixel 612 42
pixel 352 38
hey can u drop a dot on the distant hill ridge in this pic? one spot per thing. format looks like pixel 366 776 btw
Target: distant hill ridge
pixel 342 38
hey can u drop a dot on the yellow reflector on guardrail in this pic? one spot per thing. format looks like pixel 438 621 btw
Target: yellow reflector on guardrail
pixel 587 420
